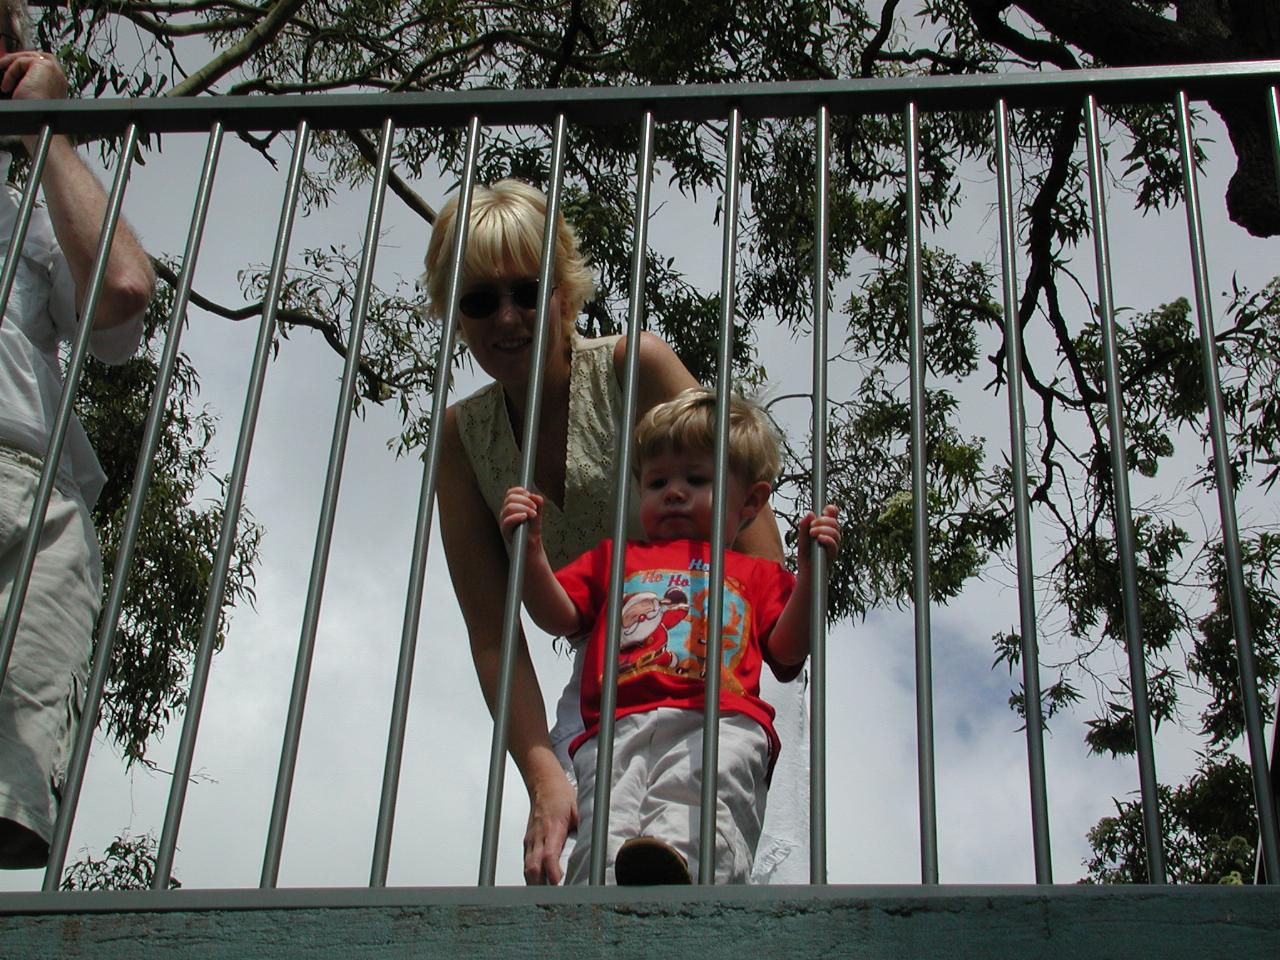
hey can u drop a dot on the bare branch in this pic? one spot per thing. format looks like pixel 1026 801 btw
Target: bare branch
pixel 871 53
pixel 253 41
pixel 376 388
pixel 411 198
pixel 986 17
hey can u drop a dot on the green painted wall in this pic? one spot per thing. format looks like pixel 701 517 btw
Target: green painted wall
pixel 705 924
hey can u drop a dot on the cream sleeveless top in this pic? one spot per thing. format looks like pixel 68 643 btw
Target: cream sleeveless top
pixel 595 411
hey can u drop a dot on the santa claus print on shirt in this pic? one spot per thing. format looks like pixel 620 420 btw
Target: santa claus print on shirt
pixel 667 633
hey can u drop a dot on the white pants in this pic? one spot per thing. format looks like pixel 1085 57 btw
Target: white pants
pixel 44 689
pixel 657 790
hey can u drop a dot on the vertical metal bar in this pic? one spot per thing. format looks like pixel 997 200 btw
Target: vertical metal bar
pixel 1125 543
pixel 1261 874
pixel 818 599
pixel 422 530
pixel 230 516
pixel 1022 508
pixel 1273 114
pixel 515 582
pixel 328 509
pixel 66 404
pixel 22 220
pixel 920 518
pixel 1263 794
pixel 133 520
pixel 715 595
pixel 622 503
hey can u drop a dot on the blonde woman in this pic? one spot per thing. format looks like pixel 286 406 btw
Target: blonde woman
pixel 574 463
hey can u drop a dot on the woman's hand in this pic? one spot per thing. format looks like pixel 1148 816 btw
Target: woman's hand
pixel 553 812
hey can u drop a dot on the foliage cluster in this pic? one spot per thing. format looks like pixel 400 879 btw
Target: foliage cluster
pixel 164 605
pixel 127 863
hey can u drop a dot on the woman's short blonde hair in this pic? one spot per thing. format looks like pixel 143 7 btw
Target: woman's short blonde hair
pixel 688 423
pixel 507 221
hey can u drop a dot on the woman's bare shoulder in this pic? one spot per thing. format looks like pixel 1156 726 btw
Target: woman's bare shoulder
pixel 662 373
pixel 455 465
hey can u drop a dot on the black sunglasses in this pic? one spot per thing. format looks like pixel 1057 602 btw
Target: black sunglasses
pixel 484 301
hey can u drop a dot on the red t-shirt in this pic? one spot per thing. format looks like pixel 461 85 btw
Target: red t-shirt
pixel 664 648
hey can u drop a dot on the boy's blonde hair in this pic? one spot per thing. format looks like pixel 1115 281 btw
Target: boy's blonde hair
pixel 507 220
pixel 688 422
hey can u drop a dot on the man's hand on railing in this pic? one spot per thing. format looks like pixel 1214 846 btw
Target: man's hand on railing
pixel 32 75
pixel 77 205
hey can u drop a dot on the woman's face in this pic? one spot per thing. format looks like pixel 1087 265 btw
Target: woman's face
pixel 499 321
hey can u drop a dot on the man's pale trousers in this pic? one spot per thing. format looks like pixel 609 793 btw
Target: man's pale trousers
pixel 45 686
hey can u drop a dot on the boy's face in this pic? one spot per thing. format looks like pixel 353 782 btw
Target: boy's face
pixel 675 497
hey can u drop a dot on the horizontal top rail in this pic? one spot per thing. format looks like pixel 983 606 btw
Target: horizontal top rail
pixel 608 105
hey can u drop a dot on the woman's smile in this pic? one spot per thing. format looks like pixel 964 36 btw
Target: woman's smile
pixel 512 344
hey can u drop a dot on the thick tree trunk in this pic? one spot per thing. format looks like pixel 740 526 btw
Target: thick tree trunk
pixel 1123 34
pixel 1252 197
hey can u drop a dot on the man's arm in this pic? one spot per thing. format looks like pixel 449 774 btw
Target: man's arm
pixel 77 203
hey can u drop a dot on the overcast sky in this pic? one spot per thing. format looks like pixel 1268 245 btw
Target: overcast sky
pixel 984 826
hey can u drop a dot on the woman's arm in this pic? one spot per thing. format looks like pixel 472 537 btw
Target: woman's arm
pixel 478 568
pixel 662 377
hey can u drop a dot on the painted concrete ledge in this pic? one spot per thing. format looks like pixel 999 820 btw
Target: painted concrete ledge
pixel 704 923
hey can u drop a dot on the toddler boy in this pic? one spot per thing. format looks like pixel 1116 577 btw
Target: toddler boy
pixel 657 760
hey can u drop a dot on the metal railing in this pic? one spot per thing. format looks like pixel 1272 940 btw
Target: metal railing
pixel 908 98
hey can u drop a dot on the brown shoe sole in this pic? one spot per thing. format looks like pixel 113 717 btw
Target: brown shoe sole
pixel 647 861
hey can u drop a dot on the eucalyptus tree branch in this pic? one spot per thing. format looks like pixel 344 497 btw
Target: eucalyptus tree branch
pixel 955 64
pixel 254 40
pixel 1040 247
pixel 162 28
pixel 866 62
pixel 175 9
pixel 264 85
pixel 489 42
pixel 576 25
pixel 369 151
pixel 1088 400
pixel 376 387
pixel 419 78
pixel 1119 32
pixel 987 18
